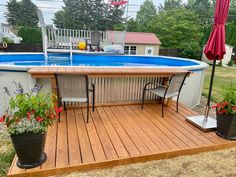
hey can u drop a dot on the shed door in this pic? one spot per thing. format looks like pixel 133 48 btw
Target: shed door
pixel 149 50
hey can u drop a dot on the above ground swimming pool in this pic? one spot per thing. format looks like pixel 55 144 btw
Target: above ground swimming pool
pixel 120 89
pixel 29 60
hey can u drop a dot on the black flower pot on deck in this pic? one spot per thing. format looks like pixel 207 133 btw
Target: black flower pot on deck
pixel 29 150
pixel 226 126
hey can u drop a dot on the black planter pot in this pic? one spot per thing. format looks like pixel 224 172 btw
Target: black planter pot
pixel 226 126
pixel 29 150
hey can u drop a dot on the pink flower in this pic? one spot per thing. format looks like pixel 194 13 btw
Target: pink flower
pixel 51 116
pixel 33 111
pixel 214 106
pixel 2 119
pixel 222 111
pixel 39 119
pixel 234 108
pixel 58 110
pixel 28 114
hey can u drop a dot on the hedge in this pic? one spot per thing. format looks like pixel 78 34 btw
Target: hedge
pixel 30 35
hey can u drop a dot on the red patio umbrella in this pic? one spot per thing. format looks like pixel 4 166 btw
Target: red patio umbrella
pixel 215 48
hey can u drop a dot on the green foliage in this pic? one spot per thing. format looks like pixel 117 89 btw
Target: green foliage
pixel 228 104
pixel 132 25
pixel 203 9
pixel 191 49
pixel 146 13
pixel 88 14
pixel 58 19
pixel 30 35
pixel 230 37
pixel 170 5
pixel 7 40
pixel 31 112
pixel 22 13
pixel 173 27
pixel 232 12
pixel 231 62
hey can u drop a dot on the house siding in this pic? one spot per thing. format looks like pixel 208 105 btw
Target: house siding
pixel 140 48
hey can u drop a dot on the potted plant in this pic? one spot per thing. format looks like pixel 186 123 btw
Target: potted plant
pixel 27 119
pixel 226 115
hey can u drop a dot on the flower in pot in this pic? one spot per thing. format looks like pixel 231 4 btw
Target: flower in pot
pixel 27 119
pixel 226 115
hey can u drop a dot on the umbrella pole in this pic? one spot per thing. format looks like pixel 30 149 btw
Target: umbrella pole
pixel 210 92
pixel 205 122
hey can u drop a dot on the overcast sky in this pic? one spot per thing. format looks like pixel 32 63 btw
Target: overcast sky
pixel 49 7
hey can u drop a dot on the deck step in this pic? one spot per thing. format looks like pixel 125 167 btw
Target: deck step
pixel 58 58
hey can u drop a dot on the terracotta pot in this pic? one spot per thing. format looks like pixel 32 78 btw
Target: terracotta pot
pixel 29 149
pixel 226 126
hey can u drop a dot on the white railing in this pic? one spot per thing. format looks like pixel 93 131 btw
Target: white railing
pixel 64 38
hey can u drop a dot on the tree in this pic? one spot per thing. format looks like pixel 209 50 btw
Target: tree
pixel 58 19
pixel 169 5
pixel 22 13
pixel 13 12
pixel 88 14
pixel 178 28
pixel 132 25
pixel 30 35
pixel 203 9
pixel 232 12
pixel 146 13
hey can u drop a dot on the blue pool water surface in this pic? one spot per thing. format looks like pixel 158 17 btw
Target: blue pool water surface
pixel 92 60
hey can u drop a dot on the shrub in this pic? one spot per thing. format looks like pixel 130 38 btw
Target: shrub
pixel 30 35
pixel 7 40
pixel 231 62
pixel 190 50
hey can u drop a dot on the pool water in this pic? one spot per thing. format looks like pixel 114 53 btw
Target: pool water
pixel 92 60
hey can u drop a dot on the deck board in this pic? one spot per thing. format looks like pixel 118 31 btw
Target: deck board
pixel 117 135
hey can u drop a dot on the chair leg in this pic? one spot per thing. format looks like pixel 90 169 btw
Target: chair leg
pixel 143 97
pixel 93 97
pixel 177 104
pixel 87 111
pixel 162 111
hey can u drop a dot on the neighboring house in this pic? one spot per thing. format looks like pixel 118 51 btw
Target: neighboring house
pixel 5 31
pixel 226 59
pixel 139 43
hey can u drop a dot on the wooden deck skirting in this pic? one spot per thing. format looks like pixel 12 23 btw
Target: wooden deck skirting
pixel 118 135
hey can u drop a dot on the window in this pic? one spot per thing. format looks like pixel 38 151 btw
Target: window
pixel 133 50
pixel 126 50
pixel 130 50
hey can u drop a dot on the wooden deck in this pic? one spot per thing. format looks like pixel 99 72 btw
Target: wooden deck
pixel 117 135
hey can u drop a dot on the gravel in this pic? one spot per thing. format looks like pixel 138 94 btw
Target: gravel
pixel 202 106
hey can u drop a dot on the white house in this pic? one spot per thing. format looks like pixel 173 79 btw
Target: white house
pixel 5 31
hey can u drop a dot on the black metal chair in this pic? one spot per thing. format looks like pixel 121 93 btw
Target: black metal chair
pixel 95 39
pixel 74 88
pixel 172 89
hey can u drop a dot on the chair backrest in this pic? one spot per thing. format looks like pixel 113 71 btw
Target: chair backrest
pixel 72 85
pixel 95 37
pixel 176 82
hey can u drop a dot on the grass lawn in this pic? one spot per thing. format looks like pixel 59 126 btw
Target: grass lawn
pixel 6 156
pixel 224 77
